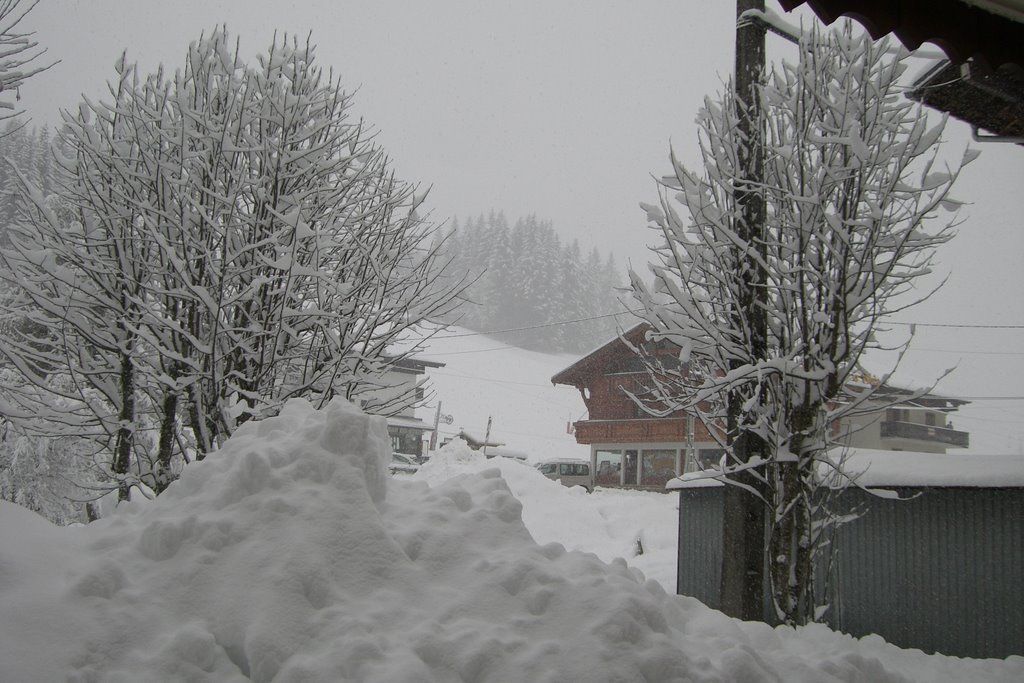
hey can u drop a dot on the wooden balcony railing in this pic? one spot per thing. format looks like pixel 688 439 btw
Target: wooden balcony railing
pixel 919 432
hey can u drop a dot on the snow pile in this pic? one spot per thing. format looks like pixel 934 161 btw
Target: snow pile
pixel 290 556
pixel 639 526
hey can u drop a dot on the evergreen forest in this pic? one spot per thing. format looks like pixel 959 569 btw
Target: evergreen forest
pixel 532 290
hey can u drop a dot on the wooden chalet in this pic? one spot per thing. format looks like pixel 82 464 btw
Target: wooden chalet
pixel 631 448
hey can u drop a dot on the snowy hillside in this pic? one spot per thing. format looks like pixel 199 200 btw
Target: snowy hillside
pixel 485 378
pixel 291 556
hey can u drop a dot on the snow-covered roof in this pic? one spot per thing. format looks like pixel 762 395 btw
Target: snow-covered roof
pixel 572 461
pixel 693 480
pixel 877 468
pixel 410 422
pixel 571 374
pixel 502 452
pixel 476 440
pixel 891 469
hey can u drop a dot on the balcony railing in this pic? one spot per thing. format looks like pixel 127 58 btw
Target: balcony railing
pixel 919 432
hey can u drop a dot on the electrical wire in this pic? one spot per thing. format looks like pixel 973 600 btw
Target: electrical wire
pixel 972 353
pixel 459 353
pixel 958 325
pixel 535 327
pixel 638 311
pixel 490 379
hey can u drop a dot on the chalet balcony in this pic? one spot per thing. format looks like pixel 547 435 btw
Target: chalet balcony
pixel 919 432
pixel 630 431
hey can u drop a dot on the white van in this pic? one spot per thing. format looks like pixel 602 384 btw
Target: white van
pixel 569 472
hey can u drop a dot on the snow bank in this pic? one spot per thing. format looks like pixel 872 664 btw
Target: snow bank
pixel 639 526
pixel 290 556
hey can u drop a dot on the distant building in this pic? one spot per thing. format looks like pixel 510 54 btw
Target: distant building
pixel 914 424
pixel 405 429
pixel 631 448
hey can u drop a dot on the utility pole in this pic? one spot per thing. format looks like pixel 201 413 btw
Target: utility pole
pixel 743 534
pixel 487 435
pixel 437 420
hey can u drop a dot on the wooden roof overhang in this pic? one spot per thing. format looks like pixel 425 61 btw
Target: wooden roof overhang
pixel 597 361
pixel 991 31
pixel 989 100
pixel 982 83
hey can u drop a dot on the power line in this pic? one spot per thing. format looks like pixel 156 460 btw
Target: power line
pixel 535 327
pixel 961 417
pixel 974 353
pixel 991 398
pixel 957 325
pixel 639 311
pixel 459 353
pixel 490 379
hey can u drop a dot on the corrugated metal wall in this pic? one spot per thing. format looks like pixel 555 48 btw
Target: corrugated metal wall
pixel 942 571
pixel 700 556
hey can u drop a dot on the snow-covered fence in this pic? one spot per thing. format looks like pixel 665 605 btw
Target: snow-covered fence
pixel 941 570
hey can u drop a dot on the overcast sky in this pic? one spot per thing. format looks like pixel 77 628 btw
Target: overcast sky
pixel 563 109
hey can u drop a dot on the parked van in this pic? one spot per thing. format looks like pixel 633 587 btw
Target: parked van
pixel 569 472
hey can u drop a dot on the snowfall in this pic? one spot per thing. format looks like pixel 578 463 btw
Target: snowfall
pixel 292 555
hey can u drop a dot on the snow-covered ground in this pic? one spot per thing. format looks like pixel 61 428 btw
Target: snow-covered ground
pixel 291 556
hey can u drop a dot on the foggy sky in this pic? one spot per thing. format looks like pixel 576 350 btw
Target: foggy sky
pixel 563 109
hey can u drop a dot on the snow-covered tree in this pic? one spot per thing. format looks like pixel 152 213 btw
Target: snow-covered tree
pixel 19 55
pixel 225 239
pixel 853 185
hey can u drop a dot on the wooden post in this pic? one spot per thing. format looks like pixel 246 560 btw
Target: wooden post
pixel 743 537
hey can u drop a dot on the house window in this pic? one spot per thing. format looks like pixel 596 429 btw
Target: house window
pixel 406 440
pixel 629 467
pixel 930 419
pixel 609 468
pixel 574 469
pixel 897 415
pixel 657 466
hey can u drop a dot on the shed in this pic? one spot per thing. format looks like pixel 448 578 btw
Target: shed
pixel 940 569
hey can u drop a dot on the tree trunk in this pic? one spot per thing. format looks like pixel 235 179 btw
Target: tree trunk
pixel 791 545
pixel 126 428
pixel 165 446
